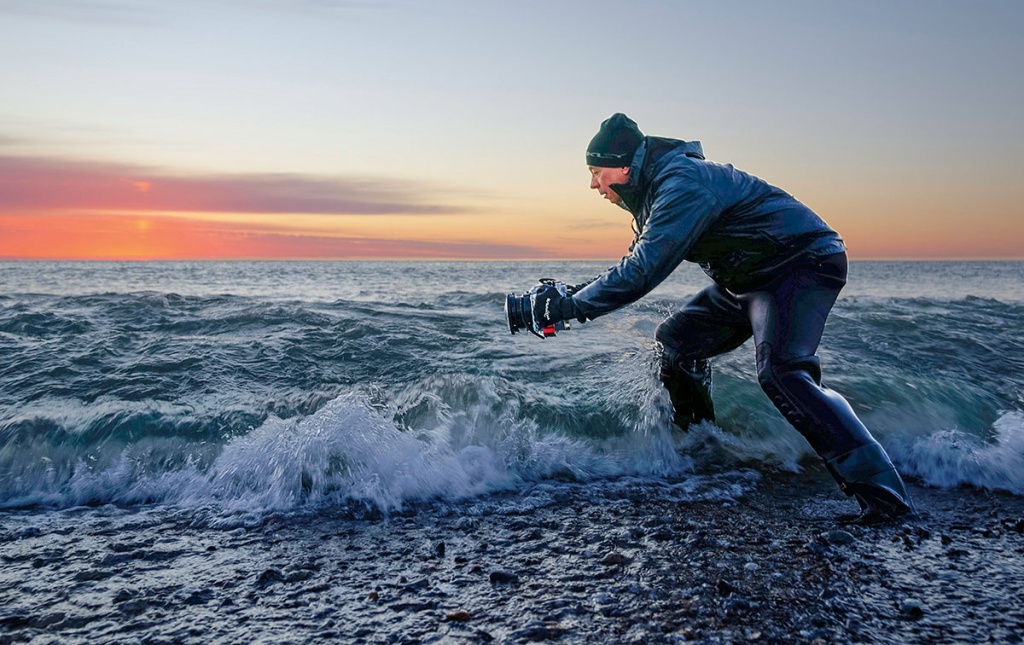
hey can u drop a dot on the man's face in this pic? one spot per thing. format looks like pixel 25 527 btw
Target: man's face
pixel 602 178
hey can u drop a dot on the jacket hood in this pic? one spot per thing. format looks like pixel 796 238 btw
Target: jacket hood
pixel 650 157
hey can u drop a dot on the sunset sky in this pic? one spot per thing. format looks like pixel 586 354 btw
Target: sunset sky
pixel 235 129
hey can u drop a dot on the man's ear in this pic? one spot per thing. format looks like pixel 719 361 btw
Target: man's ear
pixel 625 171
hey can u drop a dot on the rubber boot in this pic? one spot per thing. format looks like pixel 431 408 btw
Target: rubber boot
pixel 867 474
pixel 689 388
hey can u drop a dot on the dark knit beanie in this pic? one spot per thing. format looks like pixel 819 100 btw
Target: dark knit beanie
pixel 615 143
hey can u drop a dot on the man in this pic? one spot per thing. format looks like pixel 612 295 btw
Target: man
pixel 777 269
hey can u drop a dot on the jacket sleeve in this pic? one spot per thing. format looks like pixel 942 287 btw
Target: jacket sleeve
pixel 681 211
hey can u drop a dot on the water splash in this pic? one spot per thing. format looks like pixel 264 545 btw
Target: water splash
pixel 953 457
pixel 387 383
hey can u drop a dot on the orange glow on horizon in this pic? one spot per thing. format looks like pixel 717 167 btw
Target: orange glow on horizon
pixel 105 236
pixel 55 208
pixel 156 237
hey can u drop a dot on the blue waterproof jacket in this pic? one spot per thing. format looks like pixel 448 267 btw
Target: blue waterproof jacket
pixel 741 230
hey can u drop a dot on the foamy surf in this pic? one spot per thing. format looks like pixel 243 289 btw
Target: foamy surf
pixel 953 457
pixel 383 384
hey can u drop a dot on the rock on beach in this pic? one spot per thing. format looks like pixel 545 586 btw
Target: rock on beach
pixel 594 564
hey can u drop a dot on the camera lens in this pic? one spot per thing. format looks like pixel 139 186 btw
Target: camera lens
pixel 517 312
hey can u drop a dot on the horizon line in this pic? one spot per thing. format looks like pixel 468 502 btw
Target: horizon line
pixel 471 259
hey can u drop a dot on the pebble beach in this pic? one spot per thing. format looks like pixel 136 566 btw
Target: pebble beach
pixel 612 561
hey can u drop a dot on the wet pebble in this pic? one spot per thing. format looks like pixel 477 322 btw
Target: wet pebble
pixel 48 620
pixel 125 595
pixel 613 559
pixel 194 596
pixel 92 575
pixel 539 631
pixel 840 537
pixel 420 585
pixel 503 577
pixel 663 534
pixel 912 608
pixel 269 577
pixel 736 604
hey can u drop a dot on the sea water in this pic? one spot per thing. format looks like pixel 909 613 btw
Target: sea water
pixel 259 386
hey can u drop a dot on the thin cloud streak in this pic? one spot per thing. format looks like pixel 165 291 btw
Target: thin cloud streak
pixel 48 184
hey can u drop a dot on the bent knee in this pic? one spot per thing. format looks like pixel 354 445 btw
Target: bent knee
pixel 775 372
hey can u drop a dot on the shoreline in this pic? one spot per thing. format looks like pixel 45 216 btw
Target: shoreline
pixel 599 563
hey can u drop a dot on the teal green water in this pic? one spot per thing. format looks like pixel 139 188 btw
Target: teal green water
pixel 283 384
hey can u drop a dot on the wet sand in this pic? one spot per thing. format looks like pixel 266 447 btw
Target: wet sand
pixel 598 562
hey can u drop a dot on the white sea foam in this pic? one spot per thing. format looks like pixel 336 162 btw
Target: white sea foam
pixel 354 450
pixel 350 450
pixel 118 390
pixel 951 457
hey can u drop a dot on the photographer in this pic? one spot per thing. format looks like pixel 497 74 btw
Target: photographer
pixel 776 269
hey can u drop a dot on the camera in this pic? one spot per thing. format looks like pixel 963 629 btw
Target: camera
pixel 519 310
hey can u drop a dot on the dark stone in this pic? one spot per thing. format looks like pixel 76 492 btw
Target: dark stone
pixel 269 577
pixel 90 576
pixel 504 577
pixel 198 597
pixel 664 534
pixel 539 631
pixel 419 585
pixel 298 576
pixel 735 604
pixel 49 620
pixel 912 609
pixel 840 537
pixel 115 559
pixel 133 607
pixel 124 595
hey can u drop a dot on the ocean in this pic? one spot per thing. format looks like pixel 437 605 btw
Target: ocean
pixel 245 388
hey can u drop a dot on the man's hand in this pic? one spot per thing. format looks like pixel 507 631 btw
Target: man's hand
pixel 549 306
